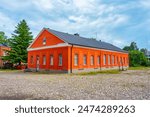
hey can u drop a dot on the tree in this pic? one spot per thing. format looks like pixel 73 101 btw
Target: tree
pixel 3 38
pixel 132 46
pixel 19 42
pixel 144 50
pixel 126 48
pixel 137 58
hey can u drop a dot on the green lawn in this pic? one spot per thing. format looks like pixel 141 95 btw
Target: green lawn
pixel 138 68
pixel 9 70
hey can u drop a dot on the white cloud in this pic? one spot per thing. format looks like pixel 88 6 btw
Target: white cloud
pixel 84 5
pixel 42 4
pixel 6 24
pixel 145 3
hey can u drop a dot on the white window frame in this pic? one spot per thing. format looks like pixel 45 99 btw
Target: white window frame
pixel 98 60
pixel 85 60
pixel 92 59
pixel 113 60
pixel 104 59
pixel 31 59
pixel 76 59
pixel 44 59
pixel 44 41
pixel 60 59
pixel 51 60
pixel 109 59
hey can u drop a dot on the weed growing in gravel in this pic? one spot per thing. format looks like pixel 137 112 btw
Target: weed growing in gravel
pixel 101 72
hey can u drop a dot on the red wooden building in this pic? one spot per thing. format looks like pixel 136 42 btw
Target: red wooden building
pixel 62 52
pixel 3 52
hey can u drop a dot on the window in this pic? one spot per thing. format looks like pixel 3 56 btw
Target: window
pixel 31 60
pixel 121 62
pixel 113 60
pixel 76 59
pixel 108 59
pixel 44 41
pixel 126 60
pixel 92 60
pixel 117 60
pixel 98 60
pixel 84 60
pixel 51 60
pixel 44 60
pixel 60 59
pixel 104 59
pixel 5 53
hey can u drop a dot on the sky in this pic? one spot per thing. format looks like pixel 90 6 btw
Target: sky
pixel 118 22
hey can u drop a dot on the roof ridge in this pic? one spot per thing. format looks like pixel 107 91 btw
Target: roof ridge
pixel 72 34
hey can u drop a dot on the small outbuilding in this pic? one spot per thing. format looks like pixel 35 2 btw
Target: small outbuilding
pixel 3 52
pixel 62 52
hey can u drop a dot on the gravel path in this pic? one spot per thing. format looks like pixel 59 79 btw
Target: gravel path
pixel 126 85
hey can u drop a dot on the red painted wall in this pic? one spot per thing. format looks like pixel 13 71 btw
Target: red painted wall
pixel 95 52
pixel 50 40
pixel 47 52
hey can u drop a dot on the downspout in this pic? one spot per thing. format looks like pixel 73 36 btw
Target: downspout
pixel 100 60
pixel 71 60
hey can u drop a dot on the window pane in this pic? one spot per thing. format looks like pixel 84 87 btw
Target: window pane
pixel 104 59
pixel 31 61
pixel 84 59
pixel 51 60
pixel 76 59
pixel 92 60
pixel 113 60
pixel 108 59
pixel 44 60
pixel 60 59
pixel 44 41
pixel 98 60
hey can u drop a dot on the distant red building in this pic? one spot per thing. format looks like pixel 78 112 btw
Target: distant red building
pixel 57 51
pixel 3 52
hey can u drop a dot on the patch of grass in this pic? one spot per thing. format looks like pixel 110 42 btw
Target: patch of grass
pixel 139 68
pixel 100 72
pixel 9 70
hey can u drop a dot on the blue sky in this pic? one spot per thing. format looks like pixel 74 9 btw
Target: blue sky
pixel 115 21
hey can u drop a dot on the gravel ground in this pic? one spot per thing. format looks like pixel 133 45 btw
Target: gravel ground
pixel 129 84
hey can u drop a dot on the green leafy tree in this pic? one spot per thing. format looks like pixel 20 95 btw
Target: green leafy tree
pixel 19 42
pixel 3 38
pixel 144 50
pixel 126 48
pixel 137 58
pixel 132 46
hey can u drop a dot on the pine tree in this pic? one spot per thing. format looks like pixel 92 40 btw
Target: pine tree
pixel 3 38
pixel 19 43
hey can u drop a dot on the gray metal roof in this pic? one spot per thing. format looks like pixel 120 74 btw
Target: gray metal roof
pixel 81 41
pixel 3 45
